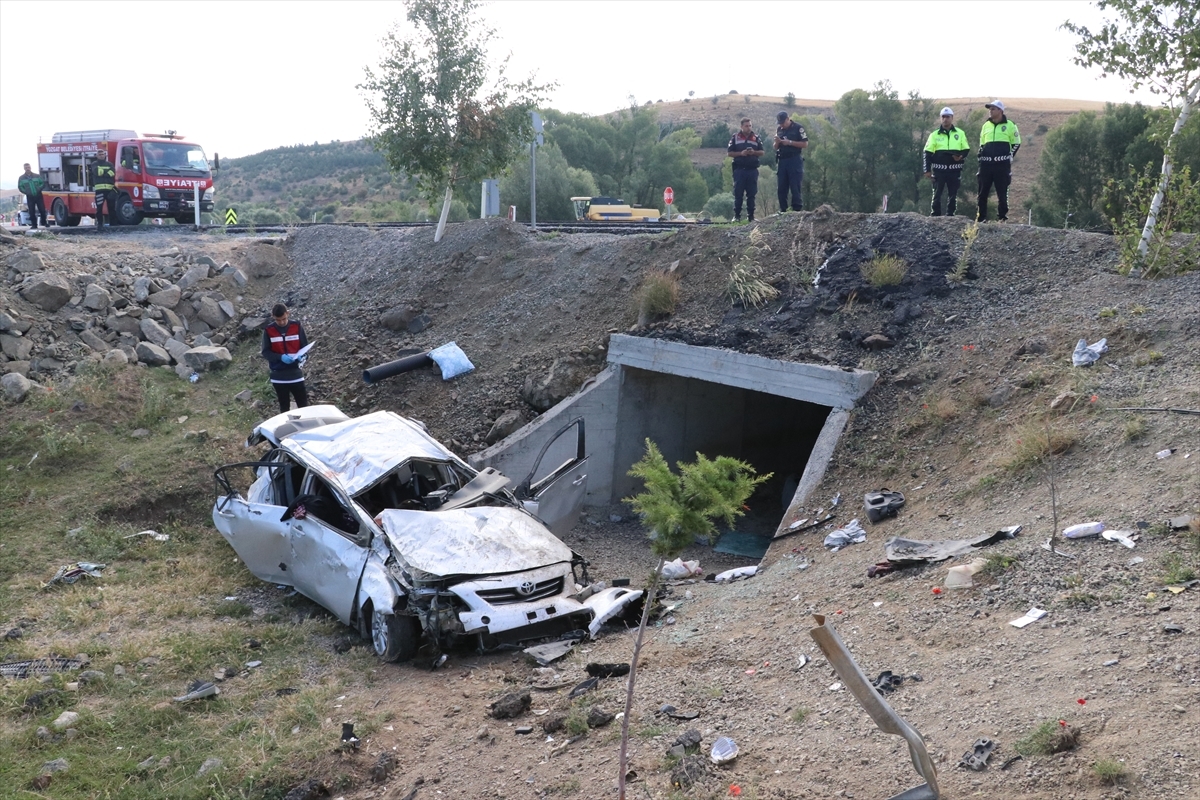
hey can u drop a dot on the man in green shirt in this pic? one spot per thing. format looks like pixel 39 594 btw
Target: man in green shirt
pixel 31 185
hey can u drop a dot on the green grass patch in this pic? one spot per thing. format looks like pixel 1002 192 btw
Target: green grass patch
pixel 1052 736
pixel 659 296
pixel 1175 569
pixel 997 564
pixel 1110 772
pixel 885 270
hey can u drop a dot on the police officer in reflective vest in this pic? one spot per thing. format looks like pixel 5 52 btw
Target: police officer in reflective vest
pixel 745 148
pixel 104 184
pixel 999 141
pixel 942 162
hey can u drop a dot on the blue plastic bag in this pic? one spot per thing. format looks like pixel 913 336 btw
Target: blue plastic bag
pixel 451 360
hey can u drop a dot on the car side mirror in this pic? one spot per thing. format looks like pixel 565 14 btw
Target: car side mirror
pixel 216 161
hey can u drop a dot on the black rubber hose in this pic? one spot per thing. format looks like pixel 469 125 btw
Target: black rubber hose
pixel 406 364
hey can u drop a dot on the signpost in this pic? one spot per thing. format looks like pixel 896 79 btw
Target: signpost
pixel 230 217
pixel 669 199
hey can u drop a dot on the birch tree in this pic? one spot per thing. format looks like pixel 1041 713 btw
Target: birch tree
pixel 1151 44
pixel 437 115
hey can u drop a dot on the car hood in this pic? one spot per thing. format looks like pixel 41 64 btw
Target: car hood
pixel 488 540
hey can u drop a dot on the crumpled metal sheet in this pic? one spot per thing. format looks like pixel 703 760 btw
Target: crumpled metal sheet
pixel 912 551
pixel 69 573
pixel 488 540
pixel 360 451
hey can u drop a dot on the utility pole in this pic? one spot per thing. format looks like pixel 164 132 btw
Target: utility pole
pixel 533 146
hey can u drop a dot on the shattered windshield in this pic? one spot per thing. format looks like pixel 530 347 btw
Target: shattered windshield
pixel 175 157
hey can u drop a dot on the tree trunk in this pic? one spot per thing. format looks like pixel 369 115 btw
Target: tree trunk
pixel 441 226
pixel 647 600
pixel 1156 204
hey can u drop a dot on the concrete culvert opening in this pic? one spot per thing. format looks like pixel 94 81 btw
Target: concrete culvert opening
pixel 782 417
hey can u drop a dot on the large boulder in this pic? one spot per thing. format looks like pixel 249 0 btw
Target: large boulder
pixel 25 260
pixel 49 291
pixel 93 341
pixel 207 358
pixel 153 332
pixel 504 426
pixel 210 312
pixel 152 354
pixel 177 349
pixel 15 386
pixel 97 297
pixel 18 348
pixel 14 324
pixel 122 323
pixel 167 298
pixel 194 275
pixel 115 358
pixel 142 287
pixel 261 260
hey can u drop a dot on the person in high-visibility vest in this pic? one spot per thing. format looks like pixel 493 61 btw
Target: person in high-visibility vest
pixel 31 184
pixel 999 141
pixel 942 162
pixel 104 185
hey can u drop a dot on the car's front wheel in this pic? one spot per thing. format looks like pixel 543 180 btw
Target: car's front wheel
pixel 395 637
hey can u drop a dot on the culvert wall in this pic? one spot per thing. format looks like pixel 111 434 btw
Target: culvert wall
pixel 780 416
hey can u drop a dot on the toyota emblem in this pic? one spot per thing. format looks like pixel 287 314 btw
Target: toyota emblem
pixel 525 588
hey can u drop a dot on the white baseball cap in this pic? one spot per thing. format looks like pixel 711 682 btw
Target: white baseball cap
pixel 996 104
pixel 947 112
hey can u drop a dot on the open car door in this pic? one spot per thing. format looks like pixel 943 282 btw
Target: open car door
pixel 250 519
pixel 555 494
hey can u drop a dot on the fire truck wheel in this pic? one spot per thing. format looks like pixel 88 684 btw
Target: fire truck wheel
pixel 126 213
pixel 59 211
pixel 185 219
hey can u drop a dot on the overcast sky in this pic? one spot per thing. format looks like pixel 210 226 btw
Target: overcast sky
pixel 242 77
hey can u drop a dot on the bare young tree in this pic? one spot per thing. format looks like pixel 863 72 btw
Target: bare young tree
pixel 435 115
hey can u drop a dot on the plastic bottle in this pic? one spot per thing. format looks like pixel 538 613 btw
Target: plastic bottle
pixel 1164 453
pixel 1084 530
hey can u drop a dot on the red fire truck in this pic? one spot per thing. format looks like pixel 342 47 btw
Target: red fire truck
pixel 156 176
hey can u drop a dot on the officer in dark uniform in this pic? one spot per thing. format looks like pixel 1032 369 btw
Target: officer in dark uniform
pixel 942 162
pixel 999 141
pixel 790 141
pixel 745 148
pixel 104 184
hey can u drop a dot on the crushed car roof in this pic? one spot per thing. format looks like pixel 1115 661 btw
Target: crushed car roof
pixel 360 451
pixel 488 540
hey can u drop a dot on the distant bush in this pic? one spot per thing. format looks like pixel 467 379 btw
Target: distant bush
pixel 789 99
pixel 716 136
pixel 720 205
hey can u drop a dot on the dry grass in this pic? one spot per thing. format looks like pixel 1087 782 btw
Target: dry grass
pixel 885 270
pixel 1031 444
pixel 659 296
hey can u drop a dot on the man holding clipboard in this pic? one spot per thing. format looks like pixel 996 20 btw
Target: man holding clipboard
pixel 284 347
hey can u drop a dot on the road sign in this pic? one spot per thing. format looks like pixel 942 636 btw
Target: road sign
pixel 231 217
pixel 668 195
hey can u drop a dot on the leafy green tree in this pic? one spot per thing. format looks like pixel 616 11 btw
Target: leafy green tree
pixel 871 150
pixel 1152 44
pixel 716 136
pixel 1071 184
pixel 719 206
pixel 434 115
pixel 677 510
pixel 557 183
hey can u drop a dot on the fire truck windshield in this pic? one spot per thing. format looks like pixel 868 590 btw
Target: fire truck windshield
pixel 176 157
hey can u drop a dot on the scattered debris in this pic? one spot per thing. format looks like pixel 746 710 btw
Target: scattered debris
pixel 1047 546
pixel 523 730
pixel 1083 530
pixel 1178 588
pixel 723 750
pixel 547 654
pixel 689 770
pixel 73 572
pixel 607 670
pixel 38 666
pixel 885 717
pixel 793 529
pixel 1030 616
pixel 852 533
pixel 1127 538
pixel 737 572
pixel 680 569
pixel 1008 762
pixel 1172 628
pixel 349 740
pixel 962 576
pixel 1180 522
pixel 674 713
pixel 1087 354
pixel 903 552
pixel 977 757
pixel 451 360
pixel 887 682
pixel 597 717
pixel 584 688
pixel 1161 454
pixel 155 535
pixel 882 504
pixel 198 690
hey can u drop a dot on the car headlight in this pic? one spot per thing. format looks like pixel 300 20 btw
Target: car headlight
pixel 149 192
pixel 209 193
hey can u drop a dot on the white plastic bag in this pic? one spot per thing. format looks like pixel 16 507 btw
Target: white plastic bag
pixel 736 572
pixel 852 533
pixel 1084 530
pixel 679 569
pixel 451 360
pixel 1086 354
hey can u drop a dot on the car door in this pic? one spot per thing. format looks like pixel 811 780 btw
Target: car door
pixel 556 493
pixel 250 519
pixel 327 558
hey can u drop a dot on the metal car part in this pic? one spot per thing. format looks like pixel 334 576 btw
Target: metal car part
pixel 885 717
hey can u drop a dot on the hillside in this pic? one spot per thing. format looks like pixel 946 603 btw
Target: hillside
pixel 956 421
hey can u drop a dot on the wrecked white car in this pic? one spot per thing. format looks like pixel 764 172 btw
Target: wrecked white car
pixel 378 522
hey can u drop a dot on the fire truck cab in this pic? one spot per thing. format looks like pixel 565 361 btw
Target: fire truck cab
pixel 156 176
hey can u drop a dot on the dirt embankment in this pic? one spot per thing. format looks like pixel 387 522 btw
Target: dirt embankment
pixel 968 370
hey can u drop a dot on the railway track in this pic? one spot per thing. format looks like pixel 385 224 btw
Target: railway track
pixel 624 228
